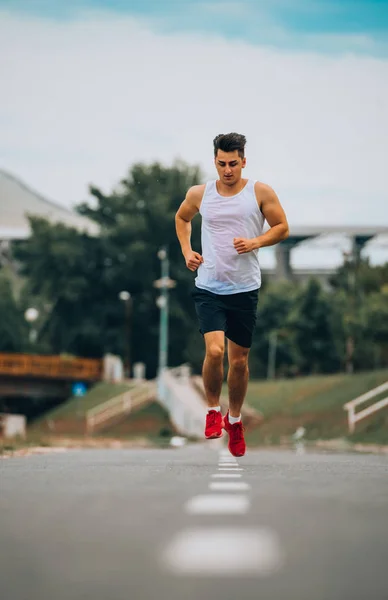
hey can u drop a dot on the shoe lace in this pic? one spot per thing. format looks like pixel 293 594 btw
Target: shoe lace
pixel 211 417
pixel 238 431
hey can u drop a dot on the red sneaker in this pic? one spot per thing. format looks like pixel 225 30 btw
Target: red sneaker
pixel 236 443
pixel 214 424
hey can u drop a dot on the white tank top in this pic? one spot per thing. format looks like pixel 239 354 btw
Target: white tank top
pixel 224 218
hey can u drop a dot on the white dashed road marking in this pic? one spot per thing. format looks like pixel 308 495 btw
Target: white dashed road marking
pixel 227 551
pixel 230 550
pixel 218 504
pixel 229 469
pixel 226 475
pixel 228 486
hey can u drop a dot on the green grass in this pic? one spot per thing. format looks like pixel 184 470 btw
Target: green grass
pixel 77 407
pixel 150 422
pixel 14 444
pixel 316 403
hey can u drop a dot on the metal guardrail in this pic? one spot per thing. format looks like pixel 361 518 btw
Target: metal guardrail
pixel 119 406
pixel 354 417
pixel 51 367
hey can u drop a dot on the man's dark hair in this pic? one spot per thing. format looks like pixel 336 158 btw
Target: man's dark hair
pixel 229 142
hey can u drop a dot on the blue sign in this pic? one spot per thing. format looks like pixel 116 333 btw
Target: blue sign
pixel 79 389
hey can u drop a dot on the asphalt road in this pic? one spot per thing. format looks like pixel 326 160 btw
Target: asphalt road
pixel 187 523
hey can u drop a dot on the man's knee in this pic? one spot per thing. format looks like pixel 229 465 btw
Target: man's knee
pixel 240 363
pixel 215 351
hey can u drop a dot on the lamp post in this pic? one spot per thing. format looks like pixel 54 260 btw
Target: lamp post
pixel 164 284
pixel 31 315
pixel 126 297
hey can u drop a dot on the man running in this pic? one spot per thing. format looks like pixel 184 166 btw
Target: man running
pixel 233 212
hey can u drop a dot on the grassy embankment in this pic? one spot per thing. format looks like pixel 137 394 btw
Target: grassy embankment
pixel 316 403
pixel 150 423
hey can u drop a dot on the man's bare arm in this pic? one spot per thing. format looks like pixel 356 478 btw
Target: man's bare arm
pixel 185 214
pixel 275 216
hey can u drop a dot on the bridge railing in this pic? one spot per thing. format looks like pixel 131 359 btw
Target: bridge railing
pixel 353 417
pixel 119 406
pixel 52 367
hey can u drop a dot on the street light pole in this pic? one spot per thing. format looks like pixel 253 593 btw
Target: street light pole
pixel 126 297
pixel 163 338
pixel 31 315
pixel 164 283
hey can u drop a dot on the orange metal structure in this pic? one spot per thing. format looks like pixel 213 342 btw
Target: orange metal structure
pixel 50 367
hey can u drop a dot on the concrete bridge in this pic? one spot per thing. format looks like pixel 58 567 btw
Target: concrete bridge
pixel 358 235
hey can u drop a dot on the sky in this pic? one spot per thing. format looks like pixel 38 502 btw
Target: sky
pixel 90 87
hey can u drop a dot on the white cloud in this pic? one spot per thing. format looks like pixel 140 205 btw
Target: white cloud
pixel 81 101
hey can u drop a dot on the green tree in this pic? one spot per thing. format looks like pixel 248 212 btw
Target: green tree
pixel 312 327
pixel 81 276
pixel 137 219
pixel 275 304
pixel 359 294
pixel 13 328
pixel 377 325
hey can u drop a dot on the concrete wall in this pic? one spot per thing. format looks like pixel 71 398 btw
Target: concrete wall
pixel 185 405
pixel 12 425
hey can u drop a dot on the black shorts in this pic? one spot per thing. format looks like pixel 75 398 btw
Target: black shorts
pixel 235 314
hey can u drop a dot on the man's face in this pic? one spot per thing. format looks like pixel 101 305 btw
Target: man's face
pixel 229 166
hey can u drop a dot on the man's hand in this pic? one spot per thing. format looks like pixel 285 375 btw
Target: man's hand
pixel 193 260
pixel 243 245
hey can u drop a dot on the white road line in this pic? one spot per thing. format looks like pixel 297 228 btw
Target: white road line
pixel 228 464
pixel 227 475
pixel 230 469
pixel 217 504
pixel 228 486
pixel 227 551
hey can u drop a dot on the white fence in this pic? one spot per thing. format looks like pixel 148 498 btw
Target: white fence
pixel 353 417
pixel 119 406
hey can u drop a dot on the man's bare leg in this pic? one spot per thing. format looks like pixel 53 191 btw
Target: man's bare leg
pixel 238 376
pixel 213 366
